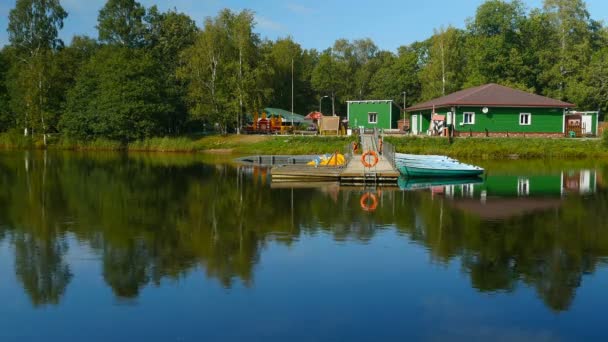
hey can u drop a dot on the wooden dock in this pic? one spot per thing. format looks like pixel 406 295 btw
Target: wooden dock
pixel 354 173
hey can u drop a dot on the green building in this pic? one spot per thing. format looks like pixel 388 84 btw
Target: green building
pixel 495 110
pixel 373 114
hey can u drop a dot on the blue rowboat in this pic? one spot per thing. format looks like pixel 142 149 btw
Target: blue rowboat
pixel 412 165
pixel 403 156
pixel 435 168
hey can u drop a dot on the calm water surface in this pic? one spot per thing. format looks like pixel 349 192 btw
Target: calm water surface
pixel 98 247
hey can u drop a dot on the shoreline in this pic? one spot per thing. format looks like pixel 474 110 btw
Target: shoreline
pixel 466 148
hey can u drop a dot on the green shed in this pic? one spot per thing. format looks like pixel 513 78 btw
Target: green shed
pixel 496 110
pixel 373 114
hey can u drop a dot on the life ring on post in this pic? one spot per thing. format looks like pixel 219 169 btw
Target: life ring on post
pixel 365 202
pixel 364 159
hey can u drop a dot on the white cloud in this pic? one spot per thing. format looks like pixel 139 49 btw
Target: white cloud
pixel 269 24
pixel 299 9
pixel 76 6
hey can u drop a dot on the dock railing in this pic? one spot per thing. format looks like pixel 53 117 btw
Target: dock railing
pixel 388 151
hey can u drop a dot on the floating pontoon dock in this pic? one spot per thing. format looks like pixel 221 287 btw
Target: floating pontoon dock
pixel 354 173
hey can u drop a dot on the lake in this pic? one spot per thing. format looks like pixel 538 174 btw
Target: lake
pixel 110 246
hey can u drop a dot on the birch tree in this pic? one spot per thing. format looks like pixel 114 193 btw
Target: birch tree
pixel 33 31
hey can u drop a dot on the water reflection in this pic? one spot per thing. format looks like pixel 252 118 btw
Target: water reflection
pixel 155 217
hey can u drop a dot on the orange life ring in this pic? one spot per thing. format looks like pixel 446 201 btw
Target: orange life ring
pixel 364 202
pixel 364 159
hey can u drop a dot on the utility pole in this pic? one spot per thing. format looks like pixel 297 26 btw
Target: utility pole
pixel 404 106
pixel 321 99
pixel 292 95
pixel 333 105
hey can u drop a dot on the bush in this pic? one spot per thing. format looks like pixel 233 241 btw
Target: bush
pixel 605 138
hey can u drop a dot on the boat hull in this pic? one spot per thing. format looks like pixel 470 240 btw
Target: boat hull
pixel 424 183
pixel 428 172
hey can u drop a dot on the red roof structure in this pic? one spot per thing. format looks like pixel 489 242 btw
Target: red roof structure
pixel 491 95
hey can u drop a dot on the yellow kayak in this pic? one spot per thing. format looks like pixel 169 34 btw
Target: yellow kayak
pixel 336 159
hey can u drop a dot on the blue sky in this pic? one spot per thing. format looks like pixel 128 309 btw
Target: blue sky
pixel 314 24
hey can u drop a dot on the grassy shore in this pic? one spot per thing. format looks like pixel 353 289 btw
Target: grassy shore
pixel 469 148
pixel 502 148
pixel 230 144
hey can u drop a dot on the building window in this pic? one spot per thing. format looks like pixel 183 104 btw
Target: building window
pixel 469 118
pixel 525 119
pixel 372 118
pixel 523 187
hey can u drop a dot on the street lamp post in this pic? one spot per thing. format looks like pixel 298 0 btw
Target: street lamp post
pixel 321 99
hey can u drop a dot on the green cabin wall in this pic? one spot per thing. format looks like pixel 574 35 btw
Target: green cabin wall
pixel 498 119
pixel 543 120
pixel 388 114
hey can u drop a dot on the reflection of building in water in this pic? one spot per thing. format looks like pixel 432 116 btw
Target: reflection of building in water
pixel 549 185
pixel 580 181
pixel 503 196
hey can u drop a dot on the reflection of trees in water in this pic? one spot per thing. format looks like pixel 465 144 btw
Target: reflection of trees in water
pixel 158 217
pixel 550 250
pixel 40 267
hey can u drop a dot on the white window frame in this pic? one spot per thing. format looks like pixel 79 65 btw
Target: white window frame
pixel 521 115
pixel 464 117
pixel 369 114
pixel 523 187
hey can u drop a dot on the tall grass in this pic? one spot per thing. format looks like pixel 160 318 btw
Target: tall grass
pixel 15 140
pixel 502 148
pixel 238 144
pixel 471 148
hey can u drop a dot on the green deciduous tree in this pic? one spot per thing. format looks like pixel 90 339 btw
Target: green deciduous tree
pixel 33 31
pixel 34 25
pixel 443 71
pixel 167 36
pixel 494 48
pixel 572 37
pixel 118 95
pixel 7 120
pixel 121 22
pixel 280 55
pixel 225 70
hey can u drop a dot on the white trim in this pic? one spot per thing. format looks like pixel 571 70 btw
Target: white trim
pixel 464 114
pixel 368 118
pixel 369 101
pixel 348 114
pixel 564 121
pixel 529 119
pixel 597 124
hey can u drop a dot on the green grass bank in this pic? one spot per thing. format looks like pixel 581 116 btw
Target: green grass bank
pixel 503 148
pixel 468 148
pixel 230 144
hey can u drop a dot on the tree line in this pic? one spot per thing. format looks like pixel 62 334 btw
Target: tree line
pixel 152 73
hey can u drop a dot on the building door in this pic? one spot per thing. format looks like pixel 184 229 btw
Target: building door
pixel 587 124
pixel 415 124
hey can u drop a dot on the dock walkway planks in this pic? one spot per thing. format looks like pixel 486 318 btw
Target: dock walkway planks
pixel 353 173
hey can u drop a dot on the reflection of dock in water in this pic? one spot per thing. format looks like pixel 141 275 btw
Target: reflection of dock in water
pixel 353 173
